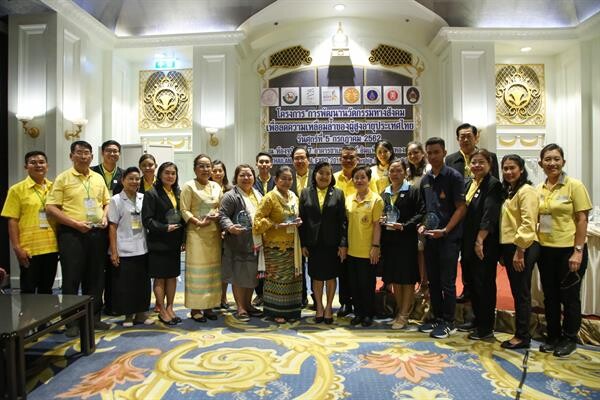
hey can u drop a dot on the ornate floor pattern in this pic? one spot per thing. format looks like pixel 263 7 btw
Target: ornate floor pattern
pixel 229 359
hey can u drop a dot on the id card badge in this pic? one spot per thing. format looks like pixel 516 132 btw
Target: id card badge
pixel 545 223
pixel 136 221
pixel 90 209
pixel 43 219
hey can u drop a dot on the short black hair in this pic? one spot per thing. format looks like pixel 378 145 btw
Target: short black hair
pixel 359 168
pixel 80 143
pixel 550 147
pixel 130 170
pixel 348 147
pixel 466 125
pixel 281 170
pixel 264 153
pixel 239 169
pixel 146 156
pixel 33 154
pixel 299 147
pixel 435 140
pixel 322 164
pixel 111 143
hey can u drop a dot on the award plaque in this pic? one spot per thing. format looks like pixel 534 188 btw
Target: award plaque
pixel 431 221
pixel 391 213
pixel 173 216
pixel 243 219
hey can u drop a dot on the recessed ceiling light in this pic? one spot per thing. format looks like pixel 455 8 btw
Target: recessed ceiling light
pixel 339 7
pixel 526 49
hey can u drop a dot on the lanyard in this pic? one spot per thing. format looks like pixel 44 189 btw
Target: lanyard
pixel 134 202
pixel 112 177
pixel 42 198
pixel 86 187
pixel 549 197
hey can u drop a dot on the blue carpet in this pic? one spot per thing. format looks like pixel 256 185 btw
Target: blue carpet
pixel 229 359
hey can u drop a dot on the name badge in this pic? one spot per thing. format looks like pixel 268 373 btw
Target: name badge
pixel 545 223
pixel 401 195
pixel 90 209
pixel 43 219
pixel 136 221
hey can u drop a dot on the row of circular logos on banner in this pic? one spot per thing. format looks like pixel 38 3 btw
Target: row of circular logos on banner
pixel 344 95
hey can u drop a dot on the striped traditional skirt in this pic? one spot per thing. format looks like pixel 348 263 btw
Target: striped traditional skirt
pixel 282 293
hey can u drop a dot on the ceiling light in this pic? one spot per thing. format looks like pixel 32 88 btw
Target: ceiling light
pixel 339 7
pixel 525 49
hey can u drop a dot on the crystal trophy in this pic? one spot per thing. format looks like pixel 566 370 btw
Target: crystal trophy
pixel 243 219
pixel 391 213
pixel 431 221
pixel 173 216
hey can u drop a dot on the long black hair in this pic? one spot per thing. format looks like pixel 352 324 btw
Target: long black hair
pixel 510 191
pixel 415 171
pixel 161 169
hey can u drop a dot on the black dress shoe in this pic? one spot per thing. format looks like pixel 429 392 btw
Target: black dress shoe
pixel 328 321
pixel 549 346
pixel 477 336
pixel 170 322
pixel 467 326
pixel 211 316
pixel 523 344
pixel 344 310
pixel 199 318
pixel 367 321
pixel 356 320
pixel 565 348
pixel 320 319
pixel 177 320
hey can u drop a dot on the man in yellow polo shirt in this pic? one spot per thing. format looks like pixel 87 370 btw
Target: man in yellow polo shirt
pixel 343 181
pixel 79 203
pixel 32 237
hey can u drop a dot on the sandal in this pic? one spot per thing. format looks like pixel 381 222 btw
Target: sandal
pixel 243 316
pixel 199 317
pixel 280 320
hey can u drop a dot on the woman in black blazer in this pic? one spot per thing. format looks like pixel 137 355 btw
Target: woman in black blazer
pixel 323 235
pixel 162 219
pixel 399 239
pixel 481 241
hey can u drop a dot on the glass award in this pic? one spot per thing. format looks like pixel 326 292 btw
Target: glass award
pixel 204 210
pixel 243 219
pixel 391 213
pixel 431 221
pixel 173 216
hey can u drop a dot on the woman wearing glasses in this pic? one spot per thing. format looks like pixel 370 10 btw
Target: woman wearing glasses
pixel 563 217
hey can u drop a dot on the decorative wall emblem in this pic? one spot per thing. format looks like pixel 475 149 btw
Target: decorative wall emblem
pixel 390 56
pixel 520 95
pixel 165 99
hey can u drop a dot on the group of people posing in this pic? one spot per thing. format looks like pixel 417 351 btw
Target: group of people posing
pixel 407 219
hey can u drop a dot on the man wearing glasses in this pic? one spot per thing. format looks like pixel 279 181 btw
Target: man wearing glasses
pixel 343 180
pixel 112 174
pixel 32 236
pixel 467 136
pixel 79 201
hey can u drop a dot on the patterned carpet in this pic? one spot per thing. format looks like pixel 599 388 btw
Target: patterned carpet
pixel 228 359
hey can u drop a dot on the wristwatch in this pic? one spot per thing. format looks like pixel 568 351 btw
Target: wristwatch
pixel 578 248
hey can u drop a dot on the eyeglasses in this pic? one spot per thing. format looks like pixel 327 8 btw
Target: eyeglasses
pixel 572 278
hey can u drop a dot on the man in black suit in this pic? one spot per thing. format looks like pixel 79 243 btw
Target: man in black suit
pixel 301 177
pixel 108 169
pixel 264 183
pixel 467 136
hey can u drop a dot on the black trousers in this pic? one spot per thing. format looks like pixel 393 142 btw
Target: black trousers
pixel 561 287
pixel 344 289
pixel 466 276
pixel 82 258
pixel 361 274
pixel 483 291
pixel 441 258
pixel 520 286
pixel 39 276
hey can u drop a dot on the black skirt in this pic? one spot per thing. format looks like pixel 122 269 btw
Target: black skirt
pixel 323 263
pixel 164 264
pixel 399 265
pixel 130 285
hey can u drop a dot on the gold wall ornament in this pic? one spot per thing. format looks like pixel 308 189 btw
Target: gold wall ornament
pixel 390 56
pixel 292 57
pixel 165 99
pixel 520 94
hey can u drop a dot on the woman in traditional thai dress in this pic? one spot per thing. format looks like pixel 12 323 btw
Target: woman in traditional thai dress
pixel 277 220
pixel 200 199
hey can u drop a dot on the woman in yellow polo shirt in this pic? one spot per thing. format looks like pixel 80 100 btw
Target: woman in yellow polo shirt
pixel 364 209
pixel 563 217
pixel 518 239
